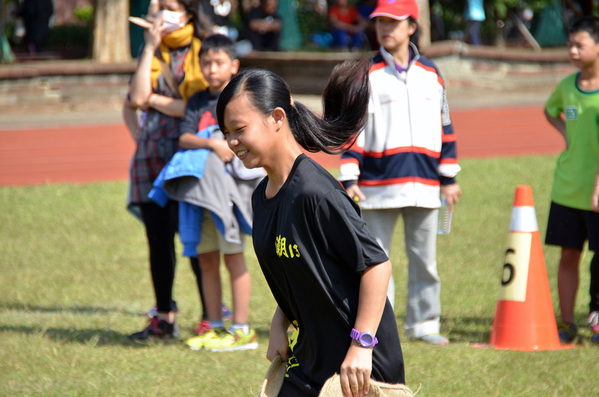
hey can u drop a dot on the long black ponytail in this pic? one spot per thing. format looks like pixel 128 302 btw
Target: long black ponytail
pixel 345 103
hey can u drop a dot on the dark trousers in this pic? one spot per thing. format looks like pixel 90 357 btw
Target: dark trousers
pixel 161 226
pixel 195 265
pixel 594 289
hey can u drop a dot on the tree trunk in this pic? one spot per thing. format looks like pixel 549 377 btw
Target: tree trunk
pixel 111 31
pixel 424 23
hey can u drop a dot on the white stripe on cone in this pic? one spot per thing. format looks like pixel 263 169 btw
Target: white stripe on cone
pixel 524 219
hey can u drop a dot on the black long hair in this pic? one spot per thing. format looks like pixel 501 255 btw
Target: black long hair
pixel 202 25
pixel 345 103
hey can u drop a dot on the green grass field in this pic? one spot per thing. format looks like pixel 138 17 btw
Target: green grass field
pixel 74 282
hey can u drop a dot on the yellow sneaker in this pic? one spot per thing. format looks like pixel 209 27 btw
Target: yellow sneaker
pixel 226 341
pixel 197 342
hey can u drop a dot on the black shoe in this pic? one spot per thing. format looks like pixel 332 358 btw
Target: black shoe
pixel 567 332
pixel 158 329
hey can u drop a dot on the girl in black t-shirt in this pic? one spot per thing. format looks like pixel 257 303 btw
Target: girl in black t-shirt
pixel 326 271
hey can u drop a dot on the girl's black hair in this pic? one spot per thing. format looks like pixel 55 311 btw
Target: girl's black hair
pixel 202 25
pixel 416 36
pixel 586 24
pixel 345 100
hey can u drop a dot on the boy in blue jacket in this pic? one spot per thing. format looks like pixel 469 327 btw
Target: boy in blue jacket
pixel 219 64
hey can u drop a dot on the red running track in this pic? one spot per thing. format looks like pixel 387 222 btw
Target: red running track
pixel 92 153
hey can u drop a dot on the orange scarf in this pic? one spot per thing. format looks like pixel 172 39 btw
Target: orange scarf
pixel 194 79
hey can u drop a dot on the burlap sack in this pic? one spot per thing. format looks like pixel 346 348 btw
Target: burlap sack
pixel 332 388
pixel 273 381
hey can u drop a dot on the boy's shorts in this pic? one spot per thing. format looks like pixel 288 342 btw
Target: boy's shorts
pixel 570 227
pixel 213 240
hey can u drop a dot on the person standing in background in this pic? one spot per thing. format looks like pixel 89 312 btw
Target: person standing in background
pixel 264 26
pixel 168 73
pixel 474 13
pixel 404 159
pixel 36 14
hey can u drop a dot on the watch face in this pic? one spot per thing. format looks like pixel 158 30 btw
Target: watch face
pixel 366 340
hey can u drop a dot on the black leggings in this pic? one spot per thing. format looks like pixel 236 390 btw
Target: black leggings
pixel 594 289
pixel 161 226
pixel 195 265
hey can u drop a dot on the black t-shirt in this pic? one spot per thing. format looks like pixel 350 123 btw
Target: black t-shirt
pixel 200 112
pixel 313 246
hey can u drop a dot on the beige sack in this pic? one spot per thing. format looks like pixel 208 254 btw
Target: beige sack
pixel 332 388
pixel 273 381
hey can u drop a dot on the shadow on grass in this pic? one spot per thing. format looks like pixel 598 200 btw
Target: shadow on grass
pixel 468 329
pixel 61 309
pixel 263 333
pixel 91 337
pixel 461 329
pixel 97 337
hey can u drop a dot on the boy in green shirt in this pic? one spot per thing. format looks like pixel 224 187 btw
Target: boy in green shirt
pixel 573 109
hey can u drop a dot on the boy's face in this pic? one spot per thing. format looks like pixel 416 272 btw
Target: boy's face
pixel 393 34
pixel 583 50
pixel 218 68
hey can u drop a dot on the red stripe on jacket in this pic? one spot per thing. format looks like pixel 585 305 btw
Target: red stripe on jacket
pixel 399 181
pixel 404 149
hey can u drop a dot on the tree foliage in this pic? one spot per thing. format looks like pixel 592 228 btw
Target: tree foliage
pixel 497 12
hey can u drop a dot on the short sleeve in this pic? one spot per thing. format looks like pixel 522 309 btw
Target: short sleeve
pixel 344 233
pixel 189 121
pixel 555 103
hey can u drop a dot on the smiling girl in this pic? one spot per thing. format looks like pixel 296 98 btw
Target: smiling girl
pixel 327 273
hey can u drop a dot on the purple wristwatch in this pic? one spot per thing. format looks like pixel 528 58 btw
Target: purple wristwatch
pixel 364 339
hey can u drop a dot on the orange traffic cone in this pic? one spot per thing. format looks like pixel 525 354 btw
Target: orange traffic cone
pixel 524 319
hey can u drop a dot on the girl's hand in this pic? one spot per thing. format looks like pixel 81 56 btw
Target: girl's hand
pixel 354 191
pixel 355 371
pixel 278 343
pixel 595 199
pixel 153 36
pixel 222 150
pixel 452 193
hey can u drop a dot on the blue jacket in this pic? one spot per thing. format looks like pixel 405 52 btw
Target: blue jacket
pixel 198 180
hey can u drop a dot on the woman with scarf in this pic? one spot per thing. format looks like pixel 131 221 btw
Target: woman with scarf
pixel 168 73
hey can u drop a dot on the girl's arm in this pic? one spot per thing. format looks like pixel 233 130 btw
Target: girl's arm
pixel 130 119
pixel 141 83
pixel 595 198
pixel 170 106
pixel 357 366
pixel 187 140
pixel 278 343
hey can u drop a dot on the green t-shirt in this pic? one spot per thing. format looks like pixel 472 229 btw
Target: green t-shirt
pixel 574 177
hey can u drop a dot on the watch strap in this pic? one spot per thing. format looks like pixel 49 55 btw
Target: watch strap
pixel 356 335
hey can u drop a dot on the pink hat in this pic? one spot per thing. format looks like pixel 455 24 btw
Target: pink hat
pixel 396 9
